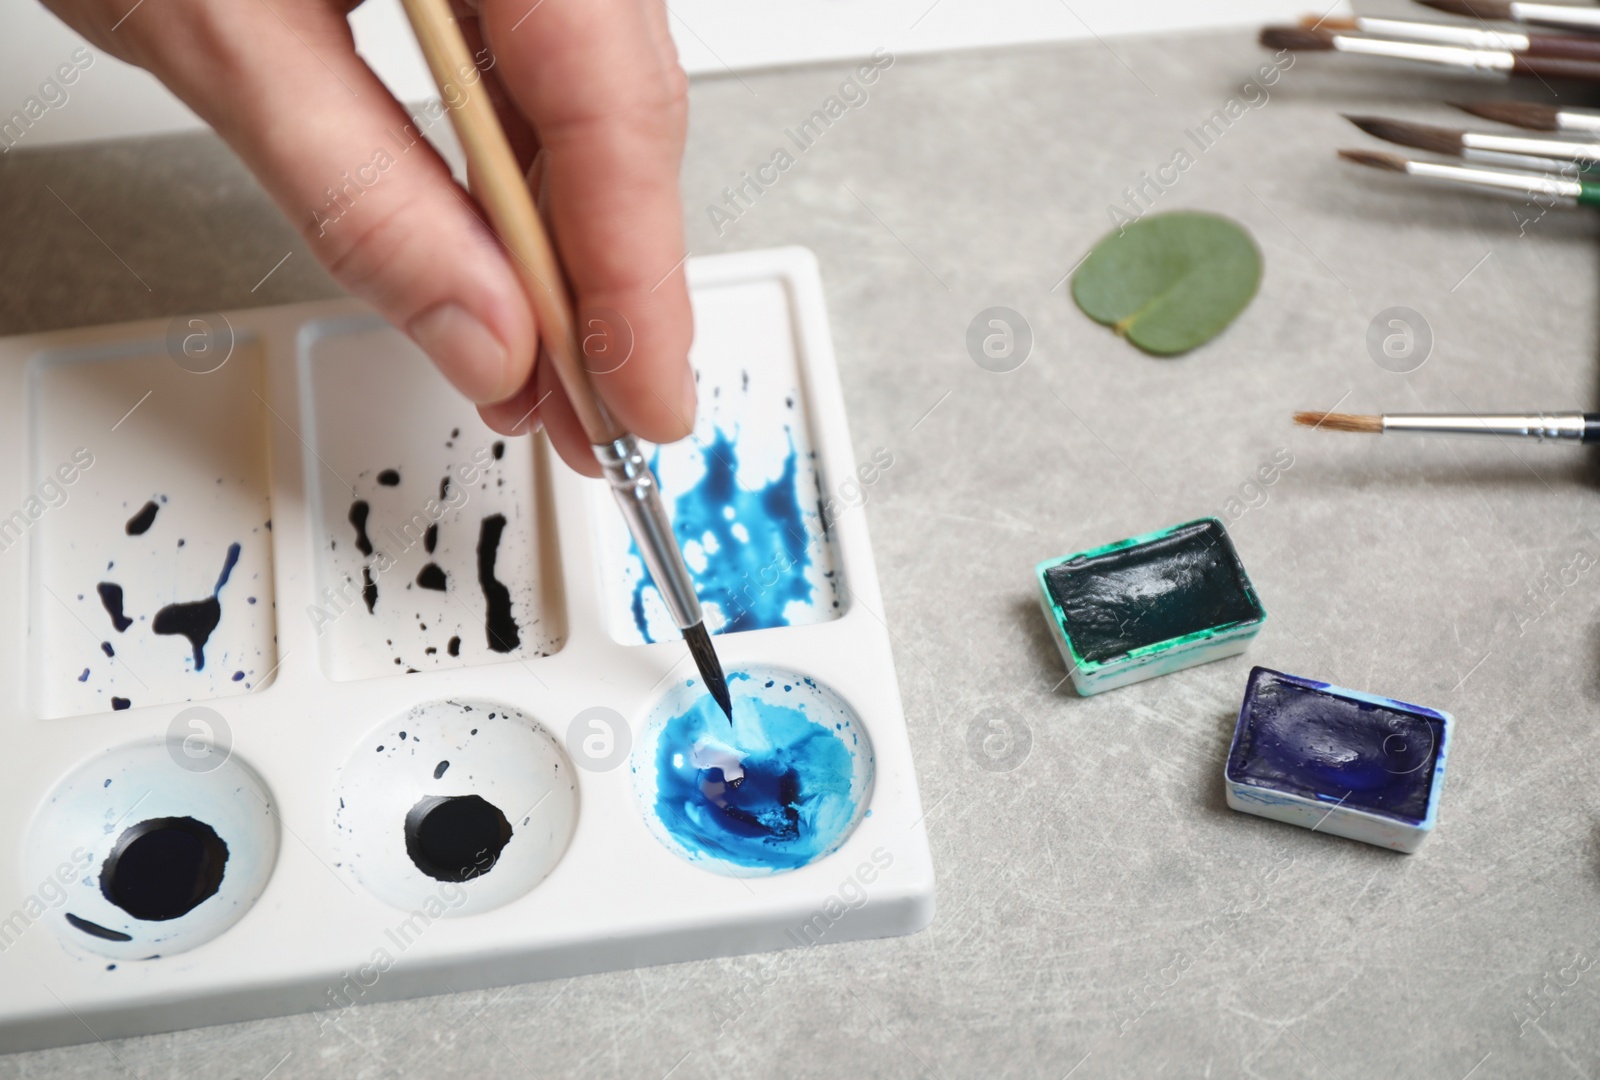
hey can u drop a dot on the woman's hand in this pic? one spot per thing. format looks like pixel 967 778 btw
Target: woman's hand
pixel 592 87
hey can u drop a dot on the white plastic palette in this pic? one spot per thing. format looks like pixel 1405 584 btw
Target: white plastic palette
pixel 256 695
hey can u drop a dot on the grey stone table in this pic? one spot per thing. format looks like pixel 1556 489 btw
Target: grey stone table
pixel 1070 885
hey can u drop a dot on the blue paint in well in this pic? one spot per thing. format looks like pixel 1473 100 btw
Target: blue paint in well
pixel 1337 746
pixel 747 550
pixel 771 791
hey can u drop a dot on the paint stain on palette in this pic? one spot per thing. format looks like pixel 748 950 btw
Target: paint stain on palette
pixel 744 491
pixel 152 551
pixel 433 546
pixel 780 786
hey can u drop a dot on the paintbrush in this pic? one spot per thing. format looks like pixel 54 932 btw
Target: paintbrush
pixel 1510 151
pixel 499 184
pixel 1564 16
pixel 1468 37
pixel 1535 117
pixel 1553 427
pixel 1548 190
pixel 1483 61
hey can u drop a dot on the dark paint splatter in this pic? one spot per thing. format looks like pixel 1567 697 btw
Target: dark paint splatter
pixel 430 539
pixel 111 597
pixel 96 930
pixel 105 647
pixel 498 449
pixel 444 489
pixel 196 619
pixel 369 589
pixel 389 478
pixel 85 676
pixel 431 577
pixel 358 517
pixel 500 627
pixel 454 648
pixel 120 703
pixel 140 523
pixel 238 676
pixel 439 769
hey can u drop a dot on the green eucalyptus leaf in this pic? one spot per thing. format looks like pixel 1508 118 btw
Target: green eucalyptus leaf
pixel 1170 282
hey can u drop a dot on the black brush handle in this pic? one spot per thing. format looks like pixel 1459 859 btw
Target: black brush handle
pixel 1591 427
pixel 1556 67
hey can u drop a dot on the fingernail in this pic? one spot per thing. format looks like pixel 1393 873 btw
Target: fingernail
pixel 688 401
pixel 472 358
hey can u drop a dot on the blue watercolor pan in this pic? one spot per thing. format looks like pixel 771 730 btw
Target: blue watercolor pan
pixel 1338 761
pixel 1149 605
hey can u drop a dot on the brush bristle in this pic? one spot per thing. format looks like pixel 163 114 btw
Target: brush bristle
pixel 1521 113
pixel 1472 9
pixel 1295 38
pixel 1438 140
pixel 1375 159
pixel 1338 421
pixel 1323 22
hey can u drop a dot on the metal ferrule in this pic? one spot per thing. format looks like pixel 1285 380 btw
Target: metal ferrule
pixel 1567 427
pixel 1492 60
pixel 1468 37
pixel 1520 183
pixel 1518 144
pixel 639 497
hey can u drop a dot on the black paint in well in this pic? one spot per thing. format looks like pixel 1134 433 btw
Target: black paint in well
pixel 456 837
pixel 1186 580
pixel 164 868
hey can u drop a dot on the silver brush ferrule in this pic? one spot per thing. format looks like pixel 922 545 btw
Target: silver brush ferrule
pixel 639 497
pixel 1567 427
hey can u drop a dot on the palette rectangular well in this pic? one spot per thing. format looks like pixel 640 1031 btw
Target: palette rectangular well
pixel 324 694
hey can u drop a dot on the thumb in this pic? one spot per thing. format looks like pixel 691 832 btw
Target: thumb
pixel 346 163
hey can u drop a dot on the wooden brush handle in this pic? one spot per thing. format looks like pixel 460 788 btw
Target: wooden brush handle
pixel 1560 45
pixel 1556 67
pixel 497 183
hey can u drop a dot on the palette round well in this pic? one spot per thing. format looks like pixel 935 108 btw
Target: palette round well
pixel 161 846
pixel 459 805
pixel 779 787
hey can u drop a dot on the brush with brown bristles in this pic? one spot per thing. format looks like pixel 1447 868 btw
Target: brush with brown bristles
pixel 1510 151
pixel 1477 61
pixel 1525 114
pixel 1544 189
pixel 1556 427
pixel 1563 16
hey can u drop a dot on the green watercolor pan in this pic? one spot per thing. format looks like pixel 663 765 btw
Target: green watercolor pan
pixel 1149 605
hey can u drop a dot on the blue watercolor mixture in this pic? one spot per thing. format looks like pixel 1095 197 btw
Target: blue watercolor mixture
pixel 770 792
pixel 754 543
pixel 1295 735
